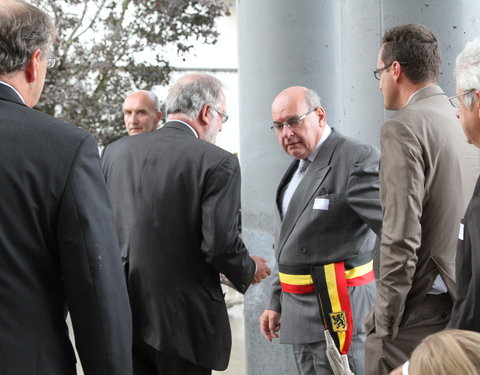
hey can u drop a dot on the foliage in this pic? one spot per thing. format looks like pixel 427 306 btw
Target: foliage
pixel 106 48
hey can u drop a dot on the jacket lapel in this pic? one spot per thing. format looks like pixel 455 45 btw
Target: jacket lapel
pixel 310 184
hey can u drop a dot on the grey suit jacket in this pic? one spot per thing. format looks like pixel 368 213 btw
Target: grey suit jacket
pixel 423 154
pixel 177 204
pixel 344 172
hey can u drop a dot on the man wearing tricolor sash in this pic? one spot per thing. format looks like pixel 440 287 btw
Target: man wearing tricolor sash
pixel 327 217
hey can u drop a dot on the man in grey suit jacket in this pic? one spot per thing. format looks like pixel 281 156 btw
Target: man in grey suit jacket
pixel 328 211
pixel 176 197
pixel 58 244
pixel 423 156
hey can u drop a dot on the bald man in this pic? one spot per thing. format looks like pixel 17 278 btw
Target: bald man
pixel 327 214
pixel 141 112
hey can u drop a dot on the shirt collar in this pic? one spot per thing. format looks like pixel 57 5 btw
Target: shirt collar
pixel 14 89
pixel 192 129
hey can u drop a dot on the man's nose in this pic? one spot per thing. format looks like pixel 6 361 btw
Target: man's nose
pixel 287 132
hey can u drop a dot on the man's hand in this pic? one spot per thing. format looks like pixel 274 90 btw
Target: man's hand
pixel 262 269
pixel 270 324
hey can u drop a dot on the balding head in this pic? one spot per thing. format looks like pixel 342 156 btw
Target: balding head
pixel 299 120
pixel 141 112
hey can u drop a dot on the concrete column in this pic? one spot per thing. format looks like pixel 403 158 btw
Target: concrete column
pixel 331 47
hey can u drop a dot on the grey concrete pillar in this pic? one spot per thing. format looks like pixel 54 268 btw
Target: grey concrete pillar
pixel 332 47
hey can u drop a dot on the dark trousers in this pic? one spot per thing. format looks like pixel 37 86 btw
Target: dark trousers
pixel 148 361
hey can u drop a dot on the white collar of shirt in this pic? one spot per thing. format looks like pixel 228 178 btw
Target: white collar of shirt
pixel 14 89
pixel 415 93
pixel 326 132
pixel 192 129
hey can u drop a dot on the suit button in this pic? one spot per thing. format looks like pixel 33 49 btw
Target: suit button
pixel 303 250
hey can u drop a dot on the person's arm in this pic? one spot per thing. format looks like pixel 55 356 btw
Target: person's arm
pixel 222 244
pixel 363 190
pixel 95 287
pixel 402 192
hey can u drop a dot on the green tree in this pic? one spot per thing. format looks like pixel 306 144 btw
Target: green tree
pixel 106 48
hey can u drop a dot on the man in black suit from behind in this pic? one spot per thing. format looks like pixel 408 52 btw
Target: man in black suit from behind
pixel 58 245
pixel 176 198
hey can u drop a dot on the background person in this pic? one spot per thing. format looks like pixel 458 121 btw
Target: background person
pixel 141 112
pixel 327 214
pixel 447 352
pixel 58 245
pixel 176 197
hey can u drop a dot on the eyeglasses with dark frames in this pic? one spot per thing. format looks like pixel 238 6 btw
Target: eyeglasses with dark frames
pixel 455 100
pixel 224 116
pixel 292 123
pixel 378 72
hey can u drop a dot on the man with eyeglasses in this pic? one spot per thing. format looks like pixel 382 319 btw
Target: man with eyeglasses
pixel 58 245
pixel 327 216
pixel 423 190
pixel 466 310
pixel 176 197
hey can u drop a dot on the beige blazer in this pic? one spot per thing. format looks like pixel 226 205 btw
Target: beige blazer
pixel 423 195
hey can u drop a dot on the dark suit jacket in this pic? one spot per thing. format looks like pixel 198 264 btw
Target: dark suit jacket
pixel 176 199
pixel 466 311
pixel 344 176
pixel 57 248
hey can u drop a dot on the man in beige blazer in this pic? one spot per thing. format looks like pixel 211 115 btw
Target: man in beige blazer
pixel 423 155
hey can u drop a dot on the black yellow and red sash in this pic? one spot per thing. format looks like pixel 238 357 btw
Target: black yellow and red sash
pixel 331 281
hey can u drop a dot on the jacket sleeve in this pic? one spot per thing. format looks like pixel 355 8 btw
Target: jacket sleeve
pixel 402 182
pixel 90 261
pixel 363 190
pixel 221 243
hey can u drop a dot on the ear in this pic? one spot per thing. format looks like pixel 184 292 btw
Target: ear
pixel 477 100
pixel 322 116
pixel 31 70
pixel 397 69
pixel 204 113
pixel 159 116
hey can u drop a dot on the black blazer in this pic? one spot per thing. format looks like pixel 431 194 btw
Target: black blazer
pixel 57 249
pixel 176 200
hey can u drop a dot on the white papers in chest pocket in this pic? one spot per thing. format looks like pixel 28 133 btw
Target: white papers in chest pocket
pixel 321 204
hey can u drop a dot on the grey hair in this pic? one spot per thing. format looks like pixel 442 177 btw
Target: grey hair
pixel 467 70
pixel 190 93
pixel 23 29
pixel 312 99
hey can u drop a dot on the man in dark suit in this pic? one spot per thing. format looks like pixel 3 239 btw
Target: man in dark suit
pixel 424 169
pixel 58 246
pixel 466 310
pixel 176 198
pixel 327 214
